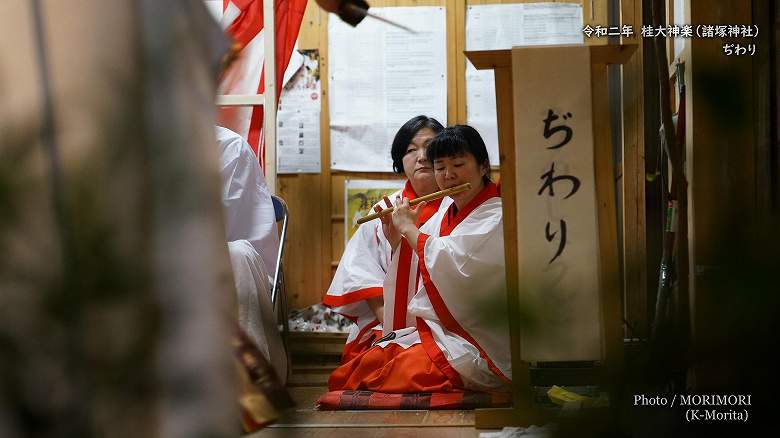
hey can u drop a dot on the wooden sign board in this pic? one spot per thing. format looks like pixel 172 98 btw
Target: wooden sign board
pixel 578 299
pixel 557 229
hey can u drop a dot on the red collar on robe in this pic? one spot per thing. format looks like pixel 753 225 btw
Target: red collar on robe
pixel 405 259
pixel 428 210
pixel 455 216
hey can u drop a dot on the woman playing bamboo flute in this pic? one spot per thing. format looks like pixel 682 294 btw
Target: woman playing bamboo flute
pixel 356 290
pixel 445 343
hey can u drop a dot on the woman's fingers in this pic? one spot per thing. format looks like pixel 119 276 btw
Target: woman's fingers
pixel 378 209
pixel 402 203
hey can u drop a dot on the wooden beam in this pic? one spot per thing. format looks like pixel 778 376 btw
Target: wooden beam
pixel 458 61
pixel 633 183
pixel 270 103
pixel 326 182
pixel 501 62
pixel 240 100
pixel 610 292
pixel 455 74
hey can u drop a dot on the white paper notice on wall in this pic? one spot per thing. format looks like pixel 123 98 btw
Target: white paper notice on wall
pixel 380 77
pixel 557 225
pixel 503 26
pixel 298 118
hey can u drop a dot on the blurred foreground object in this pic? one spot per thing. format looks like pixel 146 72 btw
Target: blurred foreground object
pixel 353 12
pixel 350 11
pixel 263 395
pixel 115 284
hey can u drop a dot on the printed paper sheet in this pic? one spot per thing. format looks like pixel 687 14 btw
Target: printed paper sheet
pixel 380 77
pixel 298 117
pixel 503 26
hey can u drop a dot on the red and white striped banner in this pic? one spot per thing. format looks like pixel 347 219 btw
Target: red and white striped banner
pixel 243 21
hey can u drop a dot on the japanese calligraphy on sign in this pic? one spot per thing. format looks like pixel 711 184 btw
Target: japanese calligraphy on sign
pixel 557 224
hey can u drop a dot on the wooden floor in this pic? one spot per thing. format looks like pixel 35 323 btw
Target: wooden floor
pixel 306 421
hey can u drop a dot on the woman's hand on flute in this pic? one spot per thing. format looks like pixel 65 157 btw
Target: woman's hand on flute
pixel 391 233
pixel 404 218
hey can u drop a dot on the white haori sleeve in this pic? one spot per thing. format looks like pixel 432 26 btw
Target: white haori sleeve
pixel 465 358
pixel 361 271
pixel 359 276
pixel 467 269
pixel 249 210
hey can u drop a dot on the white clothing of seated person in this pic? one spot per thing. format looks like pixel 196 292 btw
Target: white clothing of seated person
pixel 253 243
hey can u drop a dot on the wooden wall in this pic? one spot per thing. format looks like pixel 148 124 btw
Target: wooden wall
pixel 316 228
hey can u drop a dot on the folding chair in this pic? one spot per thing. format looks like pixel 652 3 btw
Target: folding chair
pixel 278 292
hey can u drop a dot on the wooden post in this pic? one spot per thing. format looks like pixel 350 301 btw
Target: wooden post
pixel 269 121
pixel 635 252
pixel 501 62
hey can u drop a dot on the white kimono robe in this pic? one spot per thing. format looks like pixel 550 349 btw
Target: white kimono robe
pixel 255 310
pixel 249 211
pixel 253 243
pixel 361 274
pixel 462 266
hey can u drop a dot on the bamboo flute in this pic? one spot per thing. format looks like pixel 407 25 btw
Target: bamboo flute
pixel 413 202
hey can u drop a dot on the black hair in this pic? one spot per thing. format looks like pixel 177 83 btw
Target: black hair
pixel 404 136
pixel 456 140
